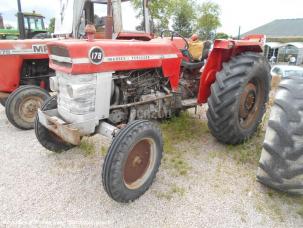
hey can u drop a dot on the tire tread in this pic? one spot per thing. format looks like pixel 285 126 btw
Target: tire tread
pixel 110 176
pixel 225 94
pixel 281 163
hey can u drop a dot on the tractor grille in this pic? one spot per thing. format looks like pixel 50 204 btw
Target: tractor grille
pixel 63 64
pixel 61 52
pixel 77 93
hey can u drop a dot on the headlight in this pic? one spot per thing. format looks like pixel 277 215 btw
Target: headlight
pixel 77 93
pixel 80 91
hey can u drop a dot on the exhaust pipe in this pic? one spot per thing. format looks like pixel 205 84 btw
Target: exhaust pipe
pixel 21 26
pixel 1 22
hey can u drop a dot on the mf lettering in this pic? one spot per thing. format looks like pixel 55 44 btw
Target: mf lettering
pixel 40 49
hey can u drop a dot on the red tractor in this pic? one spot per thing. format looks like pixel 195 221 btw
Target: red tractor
pixel 116 87
pixel 25 72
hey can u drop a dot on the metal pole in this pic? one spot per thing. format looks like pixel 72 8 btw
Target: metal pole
pixel 109 8
pixel 20 21
pixel 239 33
pixel 109 21
pixel 146 17
pixel 117 16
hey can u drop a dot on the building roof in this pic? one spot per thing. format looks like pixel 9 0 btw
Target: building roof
pixel 296 44
pixel 280 28
pixel 33 14
pixel 274 44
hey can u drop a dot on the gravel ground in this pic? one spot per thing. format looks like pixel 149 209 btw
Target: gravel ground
pixel 40 188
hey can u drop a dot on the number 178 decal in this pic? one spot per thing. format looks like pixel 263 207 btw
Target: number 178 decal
pixel 96 55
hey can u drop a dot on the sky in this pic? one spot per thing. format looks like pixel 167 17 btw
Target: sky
pixel 8 9
pixel 254 13
pixel 234 13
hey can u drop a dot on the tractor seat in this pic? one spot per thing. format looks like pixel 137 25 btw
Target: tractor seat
pixel 197 52
pixel 192 65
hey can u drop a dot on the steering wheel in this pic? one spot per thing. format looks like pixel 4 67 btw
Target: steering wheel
pixel 173 33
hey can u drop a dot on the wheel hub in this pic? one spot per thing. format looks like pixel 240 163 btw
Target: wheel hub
pixel 250 102
pixel 28 108
pixel 138 164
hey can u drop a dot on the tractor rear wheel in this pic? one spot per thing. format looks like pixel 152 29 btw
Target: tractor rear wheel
pixel 281 162
pixel 238 98
pixel 47 138
pixel 132 161
pixel 22 105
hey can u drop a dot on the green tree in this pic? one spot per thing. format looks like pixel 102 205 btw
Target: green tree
pixel 51 27
pixel 184 17
pixel 221 35
pixel 160 11
pixel 209 20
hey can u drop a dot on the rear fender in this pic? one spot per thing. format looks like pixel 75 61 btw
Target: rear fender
pixel 222 52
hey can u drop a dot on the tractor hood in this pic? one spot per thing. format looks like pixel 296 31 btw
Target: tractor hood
pixel 83 57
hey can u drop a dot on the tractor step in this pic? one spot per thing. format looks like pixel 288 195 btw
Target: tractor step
pixel 189 103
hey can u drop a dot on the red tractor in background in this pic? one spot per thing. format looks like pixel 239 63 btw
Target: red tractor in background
pixel 115 87
pixel 25 72
pixel 24 76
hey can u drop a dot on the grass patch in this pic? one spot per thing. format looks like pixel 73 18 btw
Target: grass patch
pixel 285 198
pixel 173 191
pixel 275 82
pixel 103 151
pixel 88 147
pixel 184 128
pixel 273 202
pixel 249 152
pixel 300 211
pixel 270 207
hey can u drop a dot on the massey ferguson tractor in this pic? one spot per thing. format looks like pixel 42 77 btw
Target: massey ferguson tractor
pixel 118 88
pixel 281 163
pixel 25 72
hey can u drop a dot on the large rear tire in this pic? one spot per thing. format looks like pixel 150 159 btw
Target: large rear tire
pixel 238 98
pixel 47 138
pixel 22 105
pixel 281 162
pixel 132 161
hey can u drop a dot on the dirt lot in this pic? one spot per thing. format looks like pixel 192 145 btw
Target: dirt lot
pixel 200 183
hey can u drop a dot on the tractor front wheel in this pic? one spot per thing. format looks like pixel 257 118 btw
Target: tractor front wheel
pixel 132 161
pixel 238 98
pixel 22 105
pixel 47 138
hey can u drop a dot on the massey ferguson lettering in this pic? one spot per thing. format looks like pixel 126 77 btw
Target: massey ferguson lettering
pixel 41 49
pixel 36 49
pixel 5 52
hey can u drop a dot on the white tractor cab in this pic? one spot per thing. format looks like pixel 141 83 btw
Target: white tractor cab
pixel 113 19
